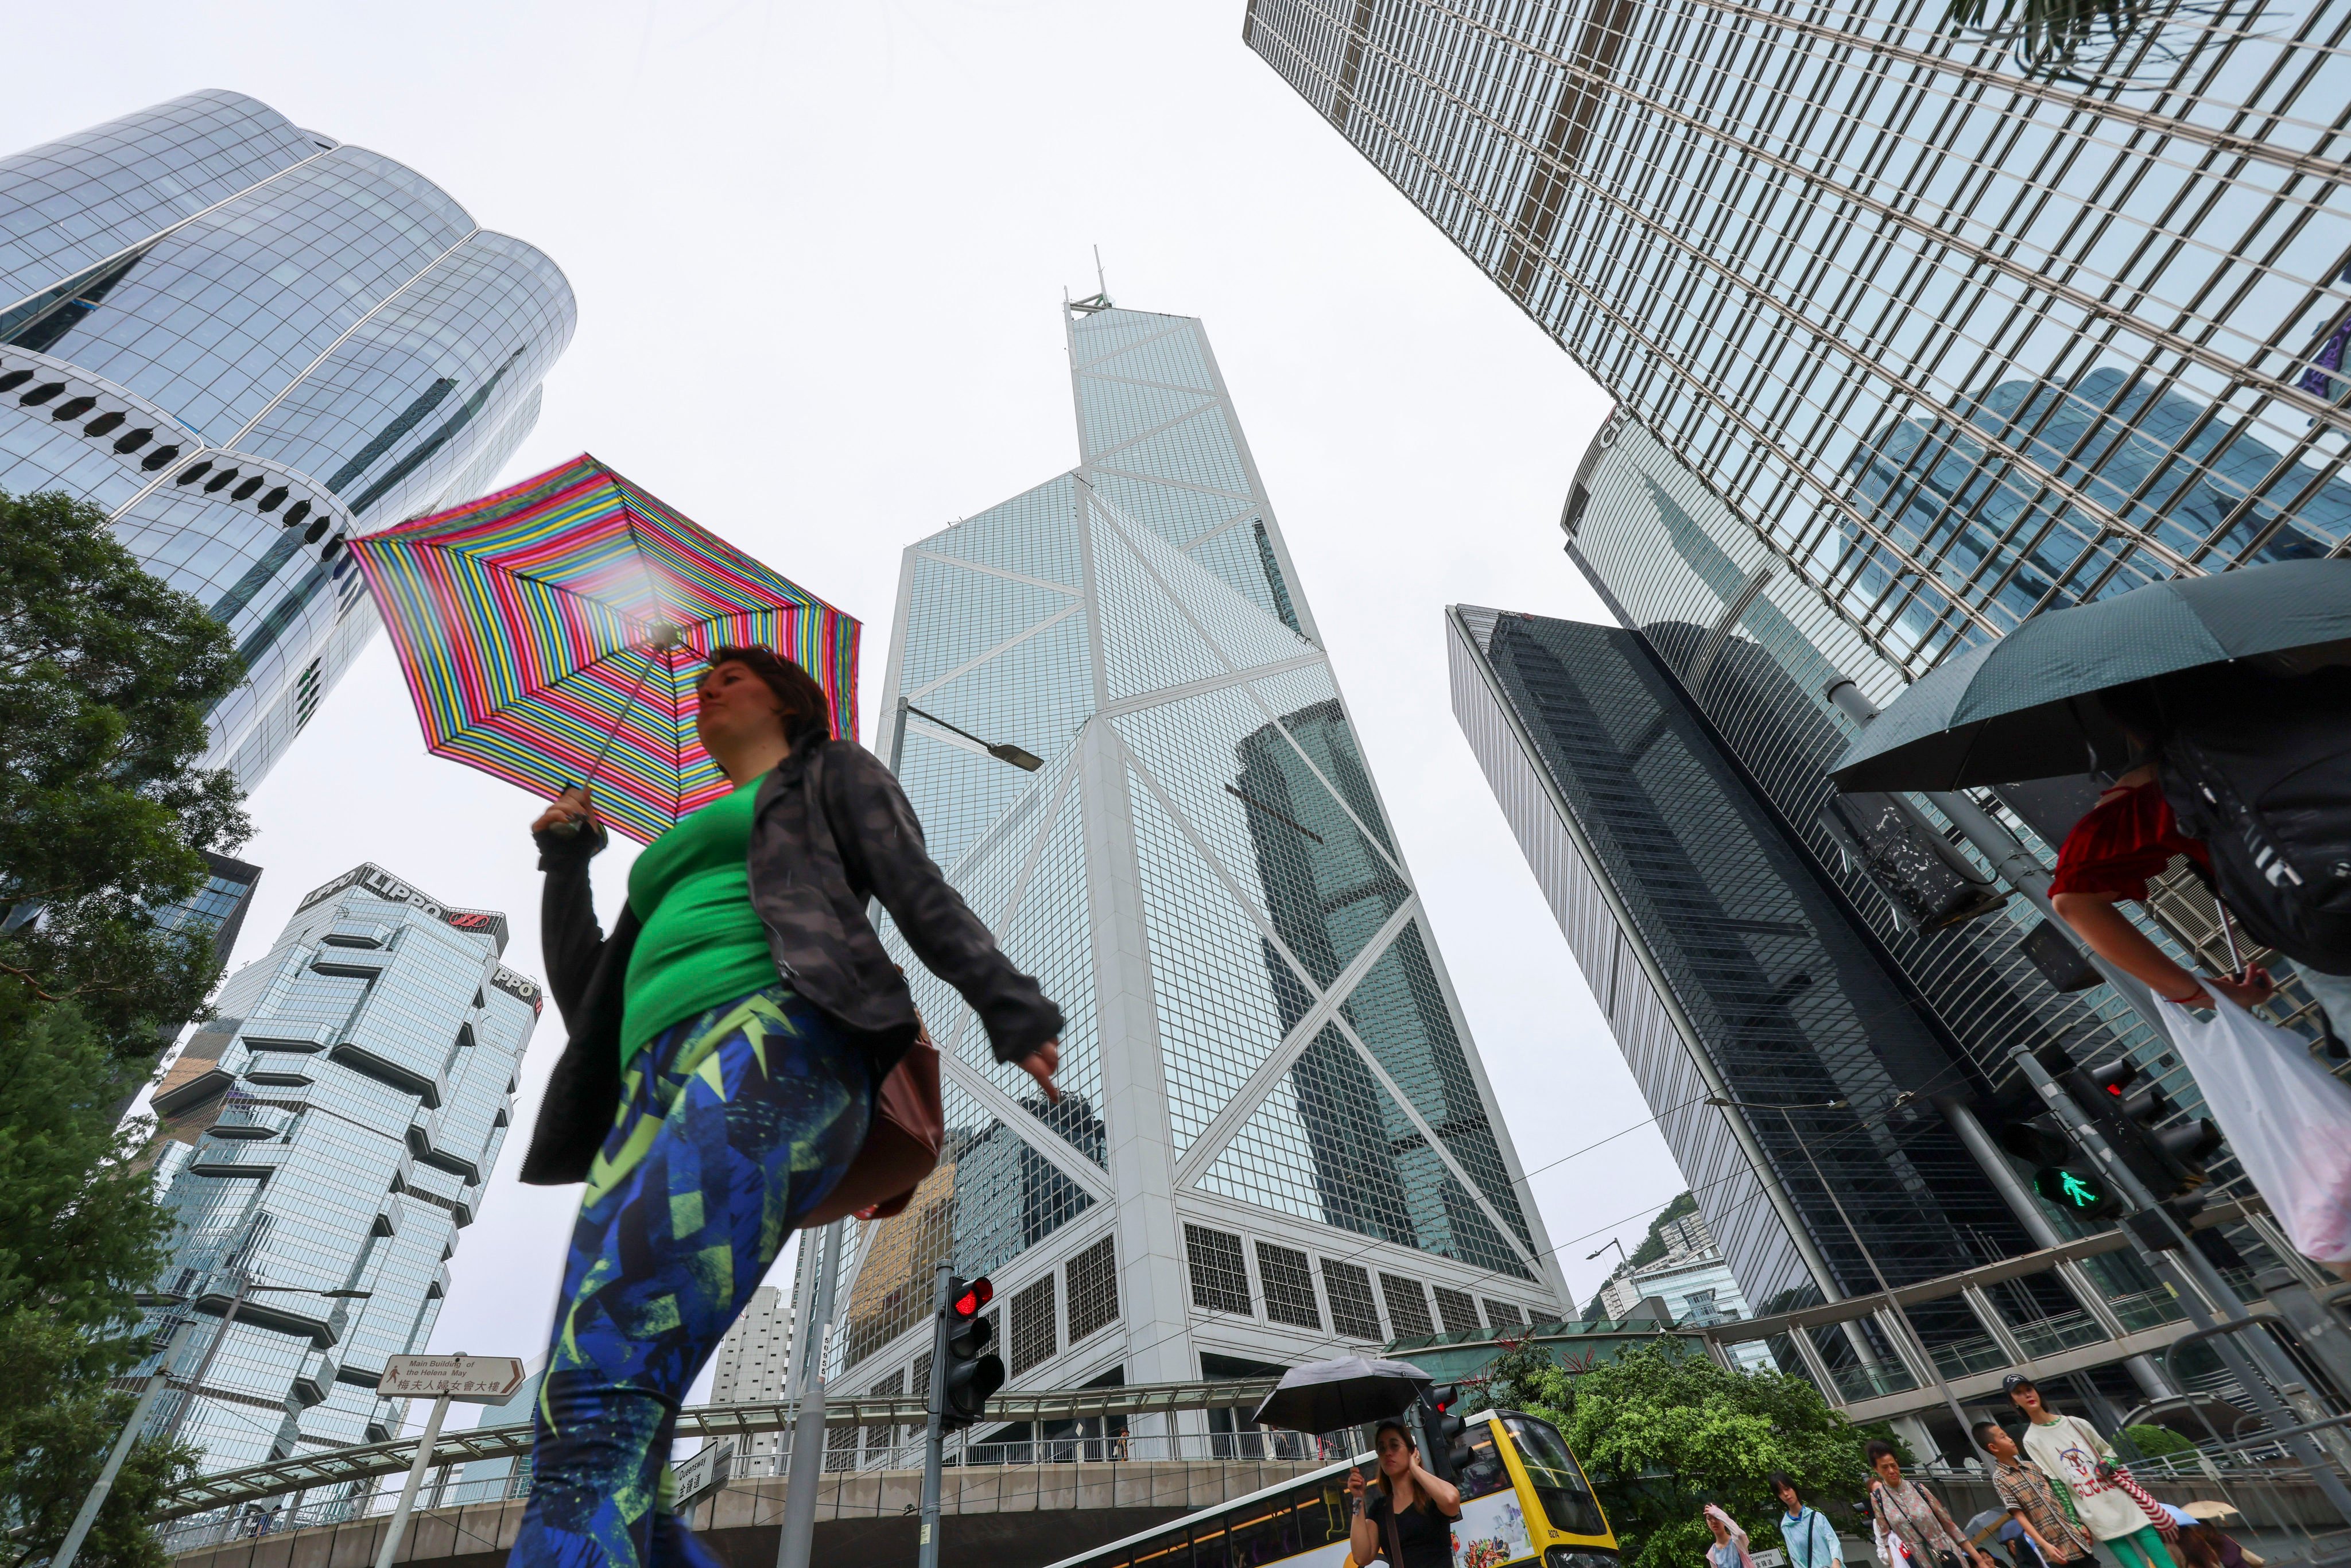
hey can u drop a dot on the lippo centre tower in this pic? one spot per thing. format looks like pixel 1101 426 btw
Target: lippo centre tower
pixel 1276 1143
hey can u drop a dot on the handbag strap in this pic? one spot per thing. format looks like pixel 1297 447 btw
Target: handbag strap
pixel 1395 1537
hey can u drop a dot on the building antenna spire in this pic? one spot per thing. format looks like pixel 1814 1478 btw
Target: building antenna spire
pixel 1099 299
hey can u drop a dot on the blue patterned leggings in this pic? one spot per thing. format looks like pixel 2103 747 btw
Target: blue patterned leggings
pixel 732 1126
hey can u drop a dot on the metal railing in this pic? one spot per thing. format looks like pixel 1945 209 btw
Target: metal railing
pixel 321 1468
pixel 863 1453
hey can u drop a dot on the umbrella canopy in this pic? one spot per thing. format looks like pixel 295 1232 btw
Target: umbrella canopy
pixel 1980 1527
pixel 2209 1508
pixel 2008 710
pixel 1324 1396
pixel 552 633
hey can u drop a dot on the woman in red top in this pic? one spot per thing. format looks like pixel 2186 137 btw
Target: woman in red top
pixel 2128 837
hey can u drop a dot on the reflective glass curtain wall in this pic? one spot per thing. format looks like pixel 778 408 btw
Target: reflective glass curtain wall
pixel 1755 648
pixel 354 1093
pixel 1956 341
pixel 1906 341
pixel 246 342
pixel 1728 965
pixel 1271 1094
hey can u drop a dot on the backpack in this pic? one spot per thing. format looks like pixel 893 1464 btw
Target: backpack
pixel 2258 767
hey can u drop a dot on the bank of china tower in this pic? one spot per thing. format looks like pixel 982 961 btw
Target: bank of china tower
pixel 1276 1143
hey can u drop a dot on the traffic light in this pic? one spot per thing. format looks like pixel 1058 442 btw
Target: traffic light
pixel 1448 1445
pixel 973 1376
pixel 1927 882
pixel 2127 1108
pixel 2062 1173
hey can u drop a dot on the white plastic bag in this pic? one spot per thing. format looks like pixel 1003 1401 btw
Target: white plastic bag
pixel 2286 1117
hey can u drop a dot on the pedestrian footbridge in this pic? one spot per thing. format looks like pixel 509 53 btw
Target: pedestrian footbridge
pixel 2104 1330
pixel 1069 1469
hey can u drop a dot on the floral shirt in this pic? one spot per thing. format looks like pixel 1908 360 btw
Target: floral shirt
pixel 1920 1518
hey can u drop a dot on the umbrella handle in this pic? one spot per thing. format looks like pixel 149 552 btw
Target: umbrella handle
pixel 613 734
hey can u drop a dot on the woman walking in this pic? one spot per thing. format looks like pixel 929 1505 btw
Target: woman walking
pixel 727 1043
pixel 2070 1452
pixel 1409 1519
pixel 1913 1528
pixel 1729 1548
pixel 1811 1539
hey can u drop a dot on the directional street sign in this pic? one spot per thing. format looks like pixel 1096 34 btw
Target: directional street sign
pixel 469 1379
pixel 475 1379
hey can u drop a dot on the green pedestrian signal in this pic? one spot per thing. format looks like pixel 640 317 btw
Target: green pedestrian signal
pixel 2076 1192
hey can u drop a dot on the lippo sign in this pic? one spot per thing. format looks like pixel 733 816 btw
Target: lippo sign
pixel 474 1379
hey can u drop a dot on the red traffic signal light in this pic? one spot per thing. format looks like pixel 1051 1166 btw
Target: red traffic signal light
pixel 970 1375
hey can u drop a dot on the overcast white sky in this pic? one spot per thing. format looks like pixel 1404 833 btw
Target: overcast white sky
pixel 819 252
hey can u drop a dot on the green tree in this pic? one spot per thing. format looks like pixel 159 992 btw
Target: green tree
pixel 2153 1442
pixel 79 1232
pixel 1662 1430
pixel 106 675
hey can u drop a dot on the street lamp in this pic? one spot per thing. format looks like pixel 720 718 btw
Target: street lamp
pixel 1003 751
pixel 243 1288
pixel 1787 1115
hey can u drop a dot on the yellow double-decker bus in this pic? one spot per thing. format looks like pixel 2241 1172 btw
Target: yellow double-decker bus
pixel 1523 1501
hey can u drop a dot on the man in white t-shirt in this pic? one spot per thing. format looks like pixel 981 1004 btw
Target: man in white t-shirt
pixel 2069 1451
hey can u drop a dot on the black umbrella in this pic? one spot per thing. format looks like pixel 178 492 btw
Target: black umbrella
pixel 1325 1395
pixel 2012 708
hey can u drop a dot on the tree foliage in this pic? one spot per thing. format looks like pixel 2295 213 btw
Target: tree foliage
pixel 80 1233
pixel 1662 1430
pixel 106 675
pixel 2153 1442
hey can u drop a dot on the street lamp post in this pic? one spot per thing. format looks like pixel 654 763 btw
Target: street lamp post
pixel 71 1547
pixel 1003 751
pixel 1623 1258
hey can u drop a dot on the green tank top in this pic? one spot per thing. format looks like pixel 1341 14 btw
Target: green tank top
pixel 702 942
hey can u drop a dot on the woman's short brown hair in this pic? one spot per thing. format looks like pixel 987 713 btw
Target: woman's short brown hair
pixel 805 711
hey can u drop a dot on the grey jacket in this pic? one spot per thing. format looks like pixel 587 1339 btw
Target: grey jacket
pixel 830 831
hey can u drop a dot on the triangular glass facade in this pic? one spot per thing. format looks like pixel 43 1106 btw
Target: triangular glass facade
pixel 1262 1042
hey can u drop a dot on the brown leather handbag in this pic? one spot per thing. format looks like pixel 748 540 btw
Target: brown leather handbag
pixel 902 1145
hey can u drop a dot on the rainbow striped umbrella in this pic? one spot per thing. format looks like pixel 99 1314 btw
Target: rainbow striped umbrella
pixel 552 634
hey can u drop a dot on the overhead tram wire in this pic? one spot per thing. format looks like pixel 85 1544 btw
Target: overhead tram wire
pixel 1862 1126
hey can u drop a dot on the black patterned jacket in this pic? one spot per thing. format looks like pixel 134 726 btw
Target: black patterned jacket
pixel 830 831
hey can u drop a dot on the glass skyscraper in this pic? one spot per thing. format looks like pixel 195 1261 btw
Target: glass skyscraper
pixel 332 1128
pixel 248 341
pixel 1907 342
pixel 1955 340
pixel 1728 965
pixel 1277 1138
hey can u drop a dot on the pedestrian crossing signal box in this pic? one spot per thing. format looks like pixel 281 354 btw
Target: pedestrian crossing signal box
pixel 2077 1192
pixel 2065 1177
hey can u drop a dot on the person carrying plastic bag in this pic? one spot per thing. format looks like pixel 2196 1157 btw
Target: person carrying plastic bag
pixel 2284 1114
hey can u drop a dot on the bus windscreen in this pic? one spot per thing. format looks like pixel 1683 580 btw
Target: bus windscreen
pixel 1555 1476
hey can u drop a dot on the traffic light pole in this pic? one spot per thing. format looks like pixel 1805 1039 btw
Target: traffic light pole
pixel 935 1431
pixel 2202 1278
pixel 2022 870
